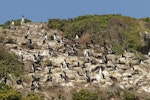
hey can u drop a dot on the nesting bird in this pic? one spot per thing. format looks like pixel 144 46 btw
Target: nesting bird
pixel 30 46
pixel 12 24
pixel 49 78
pixel 27 33
pixel 76 37
pixel 32 86
pixel 65 77
pixel 4 80
pixel 55 37
pixel 87 78
pixel 101 73
pixel 49 47
pixel 35 79
pixel 19 81
pixel 88 46
pixel 86 53
pixel 22 20
pixel 105 59
pixel 45 38
pixel 20 55
pixel 74 51
pixel 149 54
pixel 35 68
pixel 105 50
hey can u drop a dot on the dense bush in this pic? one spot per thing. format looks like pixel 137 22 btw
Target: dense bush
pixel 32 96
pixel 147 19
pixel 7 93
pixel 56 24
pixel 9 63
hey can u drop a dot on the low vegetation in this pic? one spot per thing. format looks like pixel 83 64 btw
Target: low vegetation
pixel 9 63
pixel 85 94
pixel 8 93
pixel 17 23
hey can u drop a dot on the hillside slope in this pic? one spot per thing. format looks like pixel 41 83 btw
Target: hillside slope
pixel 56 63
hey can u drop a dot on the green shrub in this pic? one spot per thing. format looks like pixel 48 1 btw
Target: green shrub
pixel 109 94
pixel 147 19
pixel 129 96
pixel 7 93
pixel 9 63
pixel 32 96
pixel 147 98
pixel 56 24
pixel 6 24
pixel 84 94
pixel 117 48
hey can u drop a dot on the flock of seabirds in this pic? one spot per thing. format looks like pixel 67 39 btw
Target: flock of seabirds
pixel 80 65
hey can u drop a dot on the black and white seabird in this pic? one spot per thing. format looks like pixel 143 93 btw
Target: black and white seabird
pixel 30 46
pixel 49 78
pixel 27 33
pixel 19 81
pixel 35 68
pixel 87 78
pixel 22 20
pixel 32 87
pixel 12 24
pixel 45 38
pixel 4 79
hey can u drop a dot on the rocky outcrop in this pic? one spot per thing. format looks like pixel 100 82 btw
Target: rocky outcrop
pixel 55 66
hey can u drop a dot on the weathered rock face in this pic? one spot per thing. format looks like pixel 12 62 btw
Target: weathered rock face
pixel 49 63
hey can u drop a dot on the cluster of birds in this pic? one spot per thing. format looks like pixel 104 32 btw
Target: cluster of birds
pixel 74 51
pixel 92 67
pixel 12 24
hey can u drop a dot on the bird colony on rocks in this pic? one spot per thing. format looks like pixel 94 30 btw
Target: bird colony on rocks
pixel 50 59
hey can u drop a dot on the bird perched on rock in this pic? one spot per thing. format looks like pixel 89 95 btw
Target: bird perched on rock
pixel 45 38
pixel 22 20
pixel 27 33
